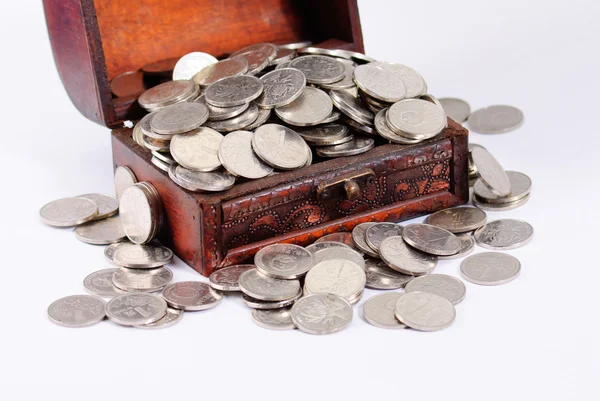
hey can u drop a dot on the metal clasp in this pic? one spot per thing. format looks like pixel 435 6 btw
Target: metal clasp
pixel 348 185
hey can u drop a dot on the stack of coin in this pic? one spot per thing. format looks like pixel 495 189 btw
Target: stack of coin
pixel 141 212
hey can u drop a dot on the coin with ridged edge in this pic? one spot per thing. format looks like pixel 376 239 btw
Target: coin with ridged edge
pixel 405 259
pixel 191 296
pixel 425 311
pixel 490 268
pixel 136 309
pixel 458 219
pixel 379 311
pixel 431 239
pixel 445 286
pixel 68 212
pixel 321 314
pixel 264 288
pixel 274 319
pixel 504 234
pixel 77 311
pixel 227 278
pixel 283 261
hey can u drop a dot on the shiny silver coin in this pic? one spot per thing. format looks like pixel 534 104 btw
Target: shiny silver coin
pixel 160 164
pixel 351 107
pixel 136 309
pixel 495 119
pixel 167 93
pixel 520 187
pixel 324 134
pixel 146 128
pixel 317 246
pixel 359 128
pixel 431 239
pixel 68 212
pixel 358 236
pixel 383 129
pixel 467 244
pixel 416 119
pixel 283 261
pixel 219 70
pixel 336 276
pixel 140 212
pixel 380 311
pixel 379 83
pixel 141 256
pixel 356 146
pixel 458 219
pixel 445 286
pixel 456 109
pixel 413 81
pixel 237 156
pixel 266 305
pixel 280 147
pixel 504 234
pixel 264 288
pixel 263 117
pixel 225 113
pixel 380 231
pixel 257 61
pixel 77 311
pixel 490 172
pixel 319 69
pixel 490 268
pixel 197 181
pixel 283 55
pixel 138 136
pixel 172 317
pixel 432 99
pixel 247 118
pixel 425 311
pixel 381 277
pixel 499 207
pixel 345 83
pixel 324 52
pixel 296 45
pixel 107 205
pixel 190 64
pixel 156 145
pixel 191 296
pixel 227 278
pixel 280 88
pixel 344 253
pixel 101 232
pixel 472 167
pixel 142 280
pixel 165 157
pixel 284 64
pixel 269 49
pixel 109 252
pixel 274 319
pixel 321 314
pixel 124 178
pixel 100 283
pixel 405 259
pixel 343 237
pixel 310 108
pixel 179 118
pixel 233 91
pixel 334 116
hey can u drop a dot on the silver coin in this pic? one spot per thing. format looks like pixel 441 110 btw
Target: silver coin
pixel 380 231
pixel 265 288
pixel 156 145
pixel 351 107
pixel 283 261
pixel 319 69
pixel 432 99
pixel 101 232
pixel 197 181
pixel 445 286
pixel 379 83
pixel 274 319
pixel 233 91
pixel 179 118
pixel 124 178
pixel 263 117
pixel 246 119
pixel 227 278
pixel 334 116
pixel 100 283
pixel 490 268
pixel 165 157
pixel 138 136
pixel 265 305
pixel 109 252
pixel 219 70
pixel 225 113
pixel 281 87
pixel 381 277
pixel 190 64
pixel 138 214
pixel 356 146
pixel 336 276
pixel 283 55
pixel 257 61
pixel 499 207
pixel 359 128
pixel 136 309
pixel 425 311
pixel 431 239
pixel 296 45
pixel 160 164
pixel 167 93
pixel 235 152
pixel 198 149
pixel 324 52
pixel 343 237
pixel 416 119
pixel 344 253
pixel 68 212
pixel 77 311
pixel 345 83
pixel 504 234
pixel 467 245
pixel 142 280
pixel 490 172
pixel 458 219
pixel 359 238
pixel 172 317
pixel 268 48
pixel 495 119
pixel 141 256
pixel 403 258
pixel 380 311
pixel 310 108
pixel 317 246
pixel 321 314
pixel 284 64
pixel 520 187
pixel 385 131
pixel 456 109
pixel 413 81
pixel 146 128
pixel 324 134
pixel 280 147
pixel 191 296
pixel 107 205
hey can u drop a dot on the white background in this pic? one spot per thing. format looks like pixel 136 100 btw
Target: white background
pixel 536 338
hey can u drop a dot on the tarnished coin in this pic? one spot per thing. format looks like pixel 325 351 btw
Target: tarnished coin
pixel 227 278
pixel 172 317
pixel 268 48
pixel 222 69
pixel 380 231
pixel 197 181
pixel 425 311
pixel 141 256
pixel 265 288
pixel 345 83
pixel 101 232
pixel 197 150
pixel 130 83
pixel 167 93
pixel 284 261
pixel 381 277
pixel 263 117
pixel 107 205
pixel 490 268
pixel 385 131
pixel 257 61
pixel 246 119
pixel 504 234
pixel 405 259
pixel 136 309
pixel 379 83
pixel 140 213
pixel 265 305
pixel 467 244
pixel 179 118
pixel 336 276
pixel 233 91
pixel 344 253
pixel 445 286
pixel 351 107
pixel 359 238
pixel 354 147
pixel 77 311
pixel 317 246
pixel 324 135
pixel 190 64
pixel 161 68
pixel 274 319
pixel 520 187
pixel 416 119
pixel 280 147
pixel 498 207
pixel 413 81
pixel 310 108
pixel 100 283
pixel 458 219
pixel 68 212
pixel 431 239
pixel 495 119
pixel 490 172
pixel 124 178
pixel 191 296
pixel 142 280
pixel 235 152
pixel 456 109
pixel 321 314
pixel 380 311
pixel 319 69
pixel 281 87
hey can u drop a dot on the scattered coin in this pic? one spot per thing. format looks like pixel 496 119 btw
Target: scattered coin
pixel 141 256
pixel 344 253
pixel 227 278
pixel 319 69
pixel 400 257
pixel 379 311
pixel 445 286
pixel 107 205
pixel 380 231
pixel 265 288
pixel 504 234
pixel 490 268
pixel 100 283
pixel 431 239
pixel 233 91
pixel 263 305
pixel 520 187
pixel 416 119
pixel 219 70
pixel 235 152
pixel 142 280
pixel 456 109
pixel 359 238
pixel 336 276
pixel 281 87
pixel 136 309
pixel 124 178
pixel 490 172
pixel 77 311
pixel 425 311
pixel 283 261
pixel 274 319
pixel 321 314
pixel 179 118
pixel 495 119
pixel 190 64
pixel 354 147
pixel 280 147
pixel 101 232
pixel 172 317
pixel 310 108
pixel 458 219
pixel 68 212
pixel 467 245
pixel 381 277
pixel 191 296
pixel 317 246
pixel 197 150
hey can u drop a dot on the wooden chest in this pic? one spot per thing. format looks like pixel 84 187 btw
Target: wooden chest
pixel 96 40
